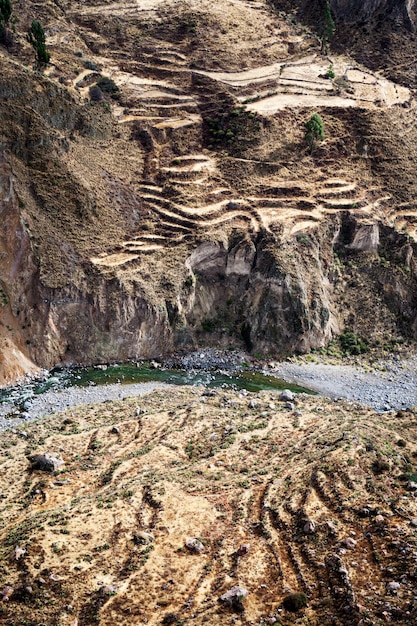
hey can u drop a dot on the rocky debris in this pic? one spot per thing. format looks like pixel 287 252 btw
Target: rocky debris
pixel 411 486
pixel 115 430
pixel 6 593
pixel 309 527
pixel 208 359
pixel 349 543
pixel 233 598
pixel 142 538
pixel 331 529
pixel 108 590
pixel 243 549
pixel 286 395
pixel 194 545
pixel 18 553
pixel 45 462
pixel 393 587
pixel 294 602
pixel 340 583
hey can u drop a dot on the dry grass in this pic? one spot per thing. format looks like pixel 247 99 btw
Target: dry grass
pixel 230 469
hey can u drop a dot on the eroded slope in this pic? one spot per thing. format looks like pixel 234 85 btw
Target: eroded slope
pixel 314 498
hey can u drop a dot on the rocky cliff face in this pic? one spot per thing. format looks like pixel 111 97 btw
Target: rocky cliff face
pixel 352 11
pixel 17 271
pixel 270 296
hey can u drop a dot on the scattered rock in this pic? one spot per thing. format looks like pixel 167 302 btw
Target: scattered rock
pixel 6 592
pixel 142 538
pixel 411 486
pixel 290 406
pixel 413 522
pixel 19 553
pixel 331 528
pixel 294 602
pixel 115 430
pixel 393 587
pixel 45 462
pixel 349 543
pixel 286 395
pixel 309 527
pixel 194 545
pixel 234 598
pixel 243 549
pixel 108 590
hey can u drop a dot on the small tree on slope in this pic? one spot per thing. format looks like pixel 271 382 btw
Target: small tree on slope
pixel 36 38
pixel 314 130
pixel 327 27
pixel 5 13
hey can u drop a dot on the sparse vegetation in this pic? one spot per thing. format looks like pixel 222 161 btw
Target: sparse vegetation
pixel 5 15
pixel 327 27
pixel 351 344
pixel 36 38
pixel 314 130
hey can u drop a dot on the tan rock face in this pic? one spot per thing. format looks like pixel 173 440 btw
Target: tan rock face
pixel 16 272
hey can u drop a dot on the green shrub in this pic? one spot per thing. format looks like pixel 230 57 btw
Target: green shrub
pixel 90 65
pixel 107 85
pixel 326 27
pixel 314 130
pixel 232 128
pixel 5 13
pixel 330 72
pixel 294 602
pixel 96 94
pixel 351 344
pixel 208 325
pixel 379 466
pixel 36 38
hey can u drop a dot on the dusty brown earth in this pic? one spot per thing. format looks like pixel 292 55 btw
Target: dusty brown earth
pixel 314 498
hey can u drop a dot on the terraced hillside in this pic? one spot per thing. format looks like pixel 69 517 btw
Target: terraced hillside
pixel 165 503
pixel 159 172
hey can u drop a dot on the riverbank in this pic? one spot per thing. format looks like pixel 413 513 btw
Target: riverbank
pixel 391 385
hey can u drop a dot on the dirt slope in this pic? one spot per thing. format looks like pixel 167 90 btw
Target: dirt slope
pixel 313 499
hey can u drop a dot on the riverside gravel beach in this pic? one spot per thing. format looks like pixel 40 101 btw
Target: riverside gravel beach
pixel 390 386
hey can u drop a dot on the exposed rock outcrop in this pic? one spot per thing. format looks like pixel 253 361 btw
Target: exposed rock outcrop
pixel 352 11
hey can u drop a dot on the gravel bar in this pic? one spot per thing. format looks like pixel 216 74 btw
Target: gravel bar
pixel 392 386
pixel 58 401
